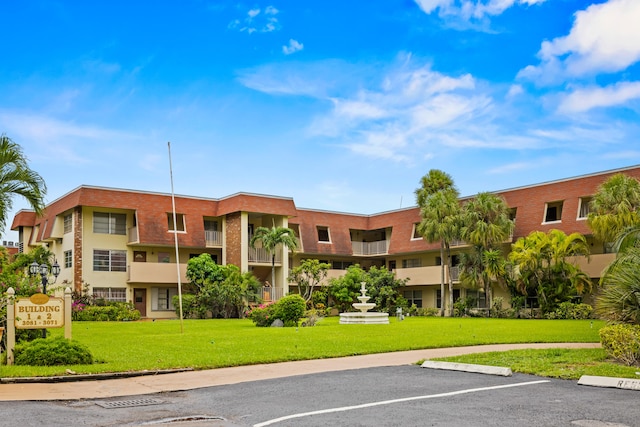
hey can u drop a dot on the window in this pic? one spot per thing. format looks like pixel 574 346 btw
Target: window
pixel 109 223
pixel 411 263
pixel 162 298
pixel 584 207
pixel 210 225
pixel 179 222
pixel 477 299
pixel 164 257
pixel 68 223
pixel 341 265
pixel 456 297
pixel 455 260
pixel 323 234
pixel 392 265
pixel 109 260
pixel 512 214
pixel 413 297
pixel 553 212
pixel 416 235
pixel 111 294
pixel 68 259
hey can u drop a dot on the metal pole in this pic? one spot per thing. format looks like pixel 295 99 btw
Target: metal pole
pixel 175 235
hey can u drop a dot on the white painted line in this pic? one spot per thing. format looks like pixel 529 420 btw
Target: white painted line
pixel 623 383
pixel 467 367
pixel 389 402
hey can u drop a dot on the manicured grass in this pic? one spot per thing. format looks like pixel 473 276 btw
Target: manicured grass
pixel 553 363
pixel 135 346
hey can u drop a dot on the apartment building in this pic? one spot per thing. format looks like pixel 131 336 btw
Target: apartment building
pixel 121 243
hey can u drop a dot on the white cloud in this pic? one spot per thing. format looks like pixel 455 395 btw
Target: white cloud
pixel 585 99
pixel 471 9
pixel 605 38
pixel 257 21
pixel 294 46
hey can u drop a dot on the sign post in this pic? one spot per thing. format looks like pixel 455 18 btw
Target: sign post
pixel 36 312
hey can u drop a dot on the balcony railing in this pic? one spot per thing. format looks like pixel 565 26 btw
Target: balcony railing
pixel 270 294
pixel 213 238
pixel 262 256
pixel 380 247
pixel 133 235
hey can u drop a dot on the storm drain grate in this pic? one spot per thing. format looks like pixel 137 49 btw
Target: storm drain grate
pixel 129 403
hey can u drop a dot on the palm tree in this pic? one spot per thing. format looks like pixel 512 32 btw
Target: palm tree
pixel 440 213
pixel 270 239
pixel 618 300
pixel 614 207
pixel 543 266
pixel 486 226
pixel 17 178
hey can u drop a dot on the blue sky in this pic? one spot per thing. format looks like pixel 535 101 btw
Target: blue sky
pixel 341 105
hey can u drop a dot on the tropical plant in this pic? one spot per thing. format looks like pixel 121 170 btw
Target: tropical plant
pixel 615 207
pixel 308 275
pixel 486 226
pixel 222 290
pixel 16 178
pixel 440 221
pixel 544 267
pixel 272 238
pixel 619 297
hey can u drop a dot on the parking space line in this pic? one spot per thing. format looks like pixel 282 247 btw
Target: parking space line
pixel 389 402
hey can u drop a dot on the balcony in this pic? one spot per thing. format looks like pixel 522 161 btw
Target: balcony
pixel 380 247
pixel 593 266
pixel 261 256
pixel 425 275
pixel 133 235
pixel 213 238
pixel 155 272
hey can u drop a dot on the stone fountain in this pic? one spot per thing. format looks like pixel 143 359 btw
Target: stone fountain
pixel 364 316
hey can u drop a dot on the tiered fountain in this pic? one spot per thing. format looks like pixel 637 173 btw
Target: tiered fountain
pixel 364 316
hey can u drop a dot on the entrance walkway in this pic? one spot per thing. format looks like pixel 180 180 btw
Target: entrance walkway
pixel 149 384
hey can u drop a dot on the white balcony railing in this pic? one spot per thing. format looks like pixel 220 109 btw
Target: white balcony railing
pixel 262 256
pixel 270 294
pixel 133 235
pixel 380 247
pixel 213 238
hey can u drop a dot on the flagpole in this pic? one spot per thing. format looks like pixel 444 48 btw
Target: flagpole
pixel 175 235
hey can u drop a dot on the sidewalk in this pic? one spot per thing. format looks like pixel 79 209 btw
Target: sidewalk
pixel 100 389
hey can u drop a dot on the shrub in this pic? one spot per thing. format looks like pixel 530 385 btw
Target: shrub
pixel 569 310
pixel 290 309
pixel 622 342
pixel 428 312
pixel 190 307
pixel 113 311
pixel 263 315
pixel 52 352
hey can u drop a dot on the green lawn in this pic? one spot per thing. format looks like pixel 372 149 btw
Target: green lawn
pixel 134 346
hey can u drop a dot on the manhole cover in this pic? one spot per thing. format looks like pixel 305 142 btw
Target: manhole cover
pixel 129 403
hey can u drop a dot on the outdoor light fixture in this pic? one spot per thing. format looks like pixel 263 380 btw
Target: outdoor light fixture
pixel 43 270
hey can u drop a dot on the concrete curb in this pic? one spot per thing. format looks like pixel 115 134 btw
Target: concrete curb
pixel 466 367
pixel 610 382
pixel 89 377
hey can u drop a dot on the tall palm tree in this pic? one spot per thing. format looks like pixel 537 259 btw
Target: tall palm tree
pixel 270 239
pixel 16 178
pixel 614 207
pixel 440 215
pixel 486 226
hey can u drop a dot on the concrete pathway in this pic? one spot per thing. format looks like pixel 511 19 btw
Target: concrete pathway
pixel 140 385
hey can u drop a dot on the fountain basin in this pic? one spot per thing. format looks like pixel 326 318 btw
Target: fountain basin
pixel 368 318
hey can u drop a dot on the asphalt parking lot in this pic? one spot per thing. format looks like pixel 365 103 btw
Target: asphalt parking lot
pixel 383 396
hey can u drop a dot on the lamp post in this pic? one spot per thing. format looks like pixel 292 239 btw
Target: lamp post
pixel 43 270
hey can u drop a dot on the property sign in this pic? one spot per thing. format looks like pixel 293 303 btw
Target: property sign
pixel 38 312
